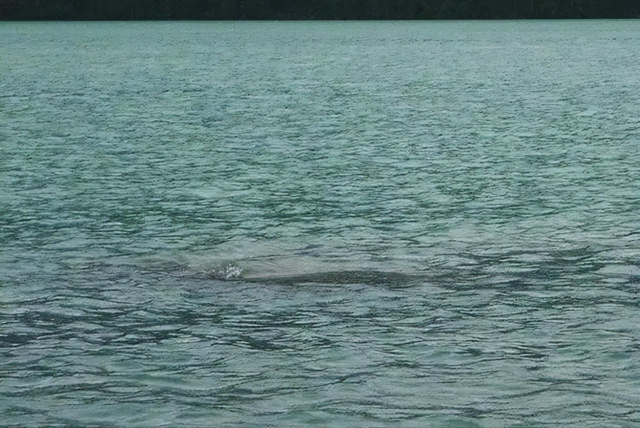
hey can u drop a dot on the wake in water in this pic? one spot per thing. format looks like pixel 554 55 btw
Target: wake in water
pixel 284 270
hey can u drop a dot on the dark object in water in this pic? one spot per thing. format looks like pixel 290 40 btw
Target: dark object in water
pixel 341 277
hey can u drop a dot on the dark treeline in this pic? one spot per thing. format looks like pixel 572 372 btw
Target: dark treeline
pixel 314 9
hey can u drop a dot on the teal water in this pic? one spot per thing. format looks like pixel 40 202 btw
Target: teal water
pixel 326 224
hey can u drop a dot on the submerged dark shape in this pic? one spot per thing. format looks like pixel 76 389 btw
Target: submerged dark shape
pixel 341 277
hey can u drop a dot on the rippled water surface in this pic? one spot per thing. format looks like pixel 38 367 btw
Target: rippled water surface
pixel 323 224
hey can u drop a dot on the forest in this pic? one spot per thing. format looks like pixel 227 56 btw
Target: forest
pixel 314 9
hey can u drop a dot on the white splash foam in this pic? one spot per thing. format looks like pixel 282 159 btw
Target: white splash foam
pixel 230 271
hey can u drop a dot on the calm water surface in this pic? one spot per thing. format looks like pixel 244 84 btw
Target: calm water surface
pixel 324 224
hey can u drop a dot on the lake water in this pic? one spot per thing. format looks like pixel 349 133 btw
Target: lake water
pixel 323 224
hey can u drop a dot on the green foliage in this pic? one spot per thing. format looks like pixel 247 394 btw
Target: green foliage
pixel 314 9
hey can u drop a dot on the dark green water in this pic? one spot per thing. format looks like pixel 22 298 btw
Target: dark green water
pixel 325 224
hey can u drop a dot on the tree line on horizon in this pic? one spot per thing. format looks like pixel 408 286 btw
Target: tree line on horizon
pixel 314 9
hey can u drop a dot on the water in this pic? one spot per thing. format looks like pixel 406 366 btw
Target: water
pixel 327 224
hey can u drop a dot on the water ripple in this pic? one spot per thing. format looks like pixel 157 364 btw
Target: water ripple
pixel 268 224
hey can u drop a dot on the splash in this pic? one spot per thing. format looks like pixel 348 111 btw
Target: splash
pixel 228 272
